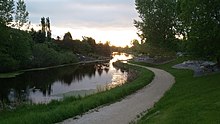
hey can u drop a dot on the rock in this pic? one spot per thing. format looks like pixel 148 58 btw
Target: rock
pixel 199 67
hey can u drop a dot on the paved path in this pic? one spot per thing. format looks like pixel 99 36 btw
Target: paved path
pixel 125 111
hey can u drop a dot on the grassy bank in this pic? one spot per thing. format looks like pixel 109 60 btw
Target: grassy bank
pixel 10 75
pixel 58 111
pixel 191 100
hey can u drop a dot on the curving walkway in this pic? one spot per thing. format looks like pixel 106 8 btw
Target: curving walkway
pixel 125 111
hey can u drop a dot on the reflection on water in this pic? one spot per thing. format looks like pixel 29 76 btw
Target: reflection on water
pixel 42 86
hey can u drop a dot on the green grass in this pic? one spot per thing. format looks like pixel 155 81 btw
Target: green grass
pixel 10 75
pixel 58 111
pixel 191 100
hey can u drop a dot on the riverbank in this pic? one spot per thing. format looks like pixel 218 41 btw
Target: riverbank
pixel 127 110
pixel 72 106
pixel 19 72
pixel 190 100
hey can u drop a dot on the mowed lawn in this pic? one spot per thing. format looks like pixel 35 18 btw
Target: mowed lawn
pixel 191 100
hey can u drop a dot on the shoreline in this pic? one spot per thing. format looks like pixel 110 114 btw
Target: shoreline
pixel 138 102
pixel 19 72
pixel 77 105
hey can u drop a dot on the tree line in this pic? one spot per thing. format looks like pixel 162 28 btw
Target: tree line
pixel 84 46
pixel 191 26
pixel 21 49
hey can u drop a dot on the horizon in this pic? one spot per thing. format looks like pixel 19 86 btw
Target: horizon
pixel 103 20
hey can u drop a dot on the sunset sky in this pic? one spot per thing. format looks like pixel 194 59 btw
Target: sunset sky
pixel 104 20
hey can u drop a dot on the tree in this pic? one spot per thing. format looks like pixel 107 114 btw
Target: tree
pixel 45 55
pixel 15 49
pixel 135 45
pixel 48 23
pixel 48 29
pixel 7 62
pixel 107 49
pixel 6 11
pixel 67 36
pixel 21 14
pixel 42 32
pixel 43 24
pixel 58 38
pixel 20 47
pixel 91 42
pixel 201 21
pixel 158 21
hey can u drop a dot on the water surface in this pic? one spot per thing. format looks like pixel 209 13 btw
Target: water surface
pixel 45 85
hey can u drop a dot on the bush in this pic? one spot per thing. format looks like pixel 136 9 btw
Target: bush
pixel 20 47
pixel 7 63
pixel 44 56
pixel 15 49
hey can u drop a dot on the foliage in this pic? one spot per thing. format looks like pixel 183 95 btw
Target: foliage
pixel 43 35
pixel 18 51
pixel 7 63
pixel 21 14
pixel 103 49
pixel 197 22
pixel 119 49
pixel 15 48
pixel 38 36
pixel 90 41
pixel 202 24
pixel 86 46
pixel 6 11
pixel 158 21
pixel 20 46
pixel 136 46
pixel 48 29
pixel 76 46
pixel 67 36
pixel 43 25
pixel 44 56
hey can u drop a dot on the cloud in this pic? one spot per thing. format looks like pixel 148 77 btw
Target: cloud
pixel 81 15
pixel 84 12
